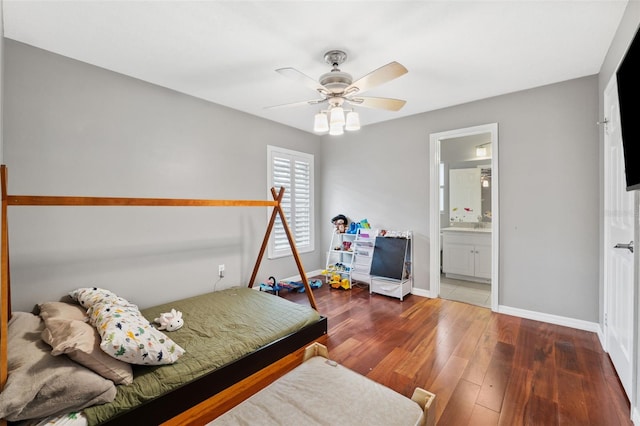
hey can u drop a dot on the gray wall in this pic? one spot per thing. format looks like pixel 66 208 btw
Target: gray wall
pixel 1 79
pixel 75 129
pixel 548 162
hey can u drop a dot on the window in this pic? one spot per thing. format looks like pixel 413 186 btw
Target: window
pixel 294 171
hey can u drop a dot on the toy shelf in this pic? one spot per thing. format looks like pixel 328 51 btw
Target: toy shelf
pixel 340 261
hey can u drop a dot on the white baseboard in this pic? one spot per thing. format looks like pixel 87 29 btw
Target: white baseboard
pixel 600 334
pixel 420 292
pixel 552 319
pixel 298 277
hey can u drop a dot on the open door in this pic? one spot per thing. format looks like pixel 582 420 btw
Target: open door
pixel 619 293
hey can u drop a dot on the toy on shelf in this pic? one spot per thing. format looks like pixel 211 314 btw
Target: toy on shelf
pixel 336 267
pixel 354 226
pixel 340 222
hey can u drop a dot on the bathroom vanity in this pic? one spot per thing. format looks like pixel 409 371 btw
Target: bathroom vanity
pixel 466 253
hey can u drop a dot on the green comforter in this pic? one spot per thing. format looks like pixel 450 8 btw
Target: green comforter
pixel 218 328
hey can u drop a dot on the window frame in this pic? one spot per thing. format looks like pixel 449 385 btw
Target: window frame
pixel 274 153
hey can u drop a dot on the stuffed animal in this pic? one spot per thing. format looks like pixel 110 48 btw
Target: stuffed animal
pixel 340 223
pixel 170 321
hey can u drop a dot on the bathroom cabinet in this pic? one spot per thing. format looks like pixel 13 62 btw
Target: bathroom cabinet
pixel 466 253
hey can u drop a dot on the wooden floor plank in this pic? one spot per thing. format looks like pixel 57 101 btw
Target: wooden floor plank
pixel 387 372
pixel 468 344
pixel 479 362
pixel 446 382
pixel 544 381
pixel 459 408
pixel 540 411
pixel 482 416
pixel 516 398
pixel 485 368
pixel 571 410
pixel 497 378
pixel 599 400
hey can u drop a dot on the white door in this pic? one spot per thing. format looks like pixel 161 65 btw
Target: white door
pixel 618 231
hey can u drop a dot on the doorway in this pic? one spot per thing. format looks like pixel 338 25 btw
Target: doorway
pixel 464 245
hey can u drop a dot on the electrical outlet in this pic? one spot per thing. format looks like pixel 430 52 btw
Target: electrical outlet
pixel 221 271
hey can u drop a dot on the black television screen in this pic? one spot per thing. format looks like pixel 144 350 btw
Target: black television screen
pixel 628 79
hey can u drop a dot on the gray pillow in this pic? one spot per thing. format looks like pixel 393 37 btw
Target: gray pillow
pixel 67 332
pixel 40 384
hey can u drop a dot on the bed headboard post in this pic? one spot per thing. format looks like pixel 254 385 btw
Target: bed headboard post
pixel 267 234
pixel 5 294
pixel 277 211
pixel 294 250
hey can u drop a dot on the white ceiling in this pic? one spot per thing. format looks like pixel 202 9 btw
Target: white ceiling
pixel 227 51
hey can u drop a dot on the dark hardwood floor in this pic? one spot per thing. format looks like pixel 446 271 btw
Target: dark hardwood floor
pixel 485 368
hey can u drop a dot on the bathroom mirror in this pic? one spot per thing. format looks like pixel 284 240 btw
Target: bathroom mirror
pixel 466 195
pixel 465 199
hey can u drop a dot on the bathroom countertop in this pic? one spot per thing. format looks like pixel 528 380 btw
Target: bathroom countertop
pixel 471 229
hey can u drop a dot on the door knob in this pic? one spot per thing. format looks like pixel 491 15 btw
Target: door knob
pixel 625 246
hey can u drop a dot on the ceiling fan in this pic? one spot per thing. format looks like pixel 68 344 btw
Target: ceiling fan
pixel 337 87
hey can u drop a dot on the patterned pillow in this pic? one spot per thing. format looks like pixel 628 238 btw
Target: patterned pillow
pixel 88 296
pixel 130 337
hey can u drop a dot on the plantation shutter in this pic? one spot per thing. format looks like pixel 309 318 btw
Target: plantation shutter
pixel 293 171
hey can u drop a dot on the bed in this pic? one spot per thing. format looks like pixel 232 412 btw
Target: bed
pixel 323 392
pixel 278 331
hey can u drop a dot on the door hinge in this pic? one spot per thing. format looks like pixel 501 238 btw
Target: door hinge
pixel 605 320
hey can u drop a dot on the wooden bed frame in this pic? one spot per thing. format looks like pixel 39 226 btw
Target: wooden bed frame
pixel 204 398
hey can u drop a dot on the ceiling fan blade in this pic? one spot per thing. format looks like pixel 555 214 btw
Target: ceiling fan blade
pixel 377 77
pixel 380 103
pixel 294 74
pixel 295 104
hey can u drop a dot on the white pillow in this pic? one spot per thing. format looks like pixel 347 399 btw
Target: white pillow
pixel 88 296
pixel 130 337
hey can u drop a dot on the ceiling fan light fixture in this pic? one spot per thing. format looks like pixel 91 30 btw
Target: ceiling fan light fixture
pixel 320 123
pixel 336 130
pixel 336 116
pixel 337 87
pixel 353 121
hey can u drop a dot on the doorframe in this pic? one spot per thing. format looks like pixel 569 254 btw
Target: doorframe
pixel 635 367
pixel 435 140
